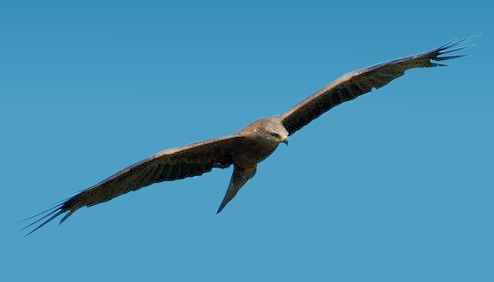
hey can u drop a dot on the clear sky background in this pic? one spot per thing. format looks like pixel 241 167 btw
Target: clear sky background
pixel 394 186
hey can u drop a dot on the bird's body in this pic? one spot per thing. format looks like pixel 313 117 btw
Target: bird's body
pixel 246 148
pixel 264 135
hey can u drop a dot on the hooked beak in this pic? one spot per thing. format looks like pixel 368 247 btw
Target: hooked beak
pixel 285 141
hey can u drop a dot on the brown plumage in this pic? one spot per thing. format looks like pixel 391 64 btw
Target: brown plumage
pixel 245 149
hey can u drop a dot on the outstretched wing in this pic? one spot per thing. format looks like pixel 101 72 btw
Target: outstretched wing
pixel 173 164
pixel 357 83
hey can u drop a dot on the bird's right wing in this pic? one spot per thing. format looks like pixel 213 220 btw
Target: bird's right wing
pixel 357 83
pixel 173 164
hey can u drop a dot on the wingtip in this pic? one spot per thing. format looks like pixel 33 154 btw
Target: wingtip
pixel 47 216
pixel 52 215
pixel 444 58
pixel 455 43
pixel 450 47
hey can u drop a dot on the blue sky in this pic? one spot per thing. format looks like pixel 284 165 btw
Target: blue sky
pixel 394 186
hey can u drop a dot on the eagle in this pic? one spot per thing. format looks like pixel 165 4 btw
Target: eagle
pixel 248 147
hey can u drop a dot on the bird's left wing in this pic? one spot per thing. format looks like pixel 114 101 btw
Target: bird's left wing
pixel 173 164
pixel 354 84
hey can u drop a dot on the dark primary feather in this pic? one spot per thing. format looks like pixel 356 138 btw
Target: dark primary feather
pixel 354 84
pixel 173 164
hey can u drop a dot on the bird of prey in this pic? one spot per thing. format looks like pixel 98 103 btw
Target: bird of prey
pixel 251 145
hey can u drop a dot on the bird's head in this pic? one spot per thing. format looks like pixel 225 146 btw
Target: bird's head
pixel 270 129
pixel 280 137
pixel 277 131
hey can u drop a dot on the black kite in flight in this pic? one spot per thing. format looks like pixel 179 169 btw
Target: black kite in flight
pixel 246 148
